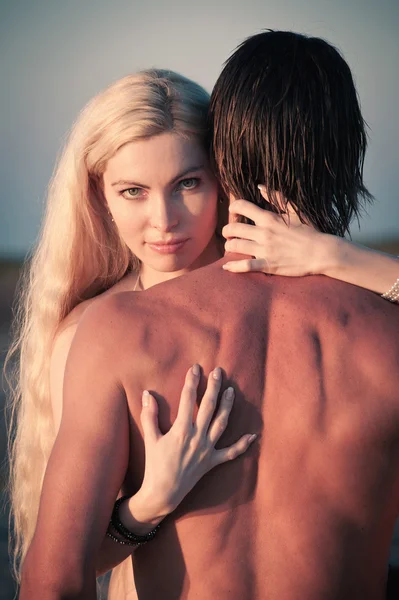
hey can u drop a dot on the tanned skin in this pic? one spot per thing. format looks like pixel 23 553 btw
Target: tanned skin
pixel 307 513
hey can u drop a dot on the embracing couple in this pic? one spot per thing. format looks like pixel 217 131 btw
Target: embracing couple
pixel 125 387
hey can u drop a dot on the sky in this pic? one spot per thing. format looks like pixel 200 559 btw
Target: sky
pixel 54 56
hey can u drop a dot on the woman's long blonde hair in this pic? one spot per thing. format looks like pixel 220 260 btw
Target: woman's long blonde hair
pixel 79 254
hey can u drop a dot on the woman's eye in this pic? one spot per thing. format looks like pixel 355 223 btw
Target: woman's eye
pixel 189 184
pixel 131 193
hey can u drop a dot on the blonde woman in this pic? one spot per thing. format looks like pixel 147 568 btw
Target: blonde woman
pixel 105 232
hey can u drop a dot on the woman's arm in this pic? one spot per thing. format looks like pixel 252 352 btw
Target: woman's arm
pixel 84 473
pixel 353 263
pixel 297 249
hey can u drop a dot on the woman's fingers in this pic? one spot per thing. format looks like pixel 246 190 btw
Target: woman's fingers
pixel 246 209
pixel 242 247
pixel 276 244
pixel 284 205
pixel 264 218
pixel 232 452
pixel 149 418
pixel 209 401
pixel 240 230
pixel 188 398
pixel 221 419
pixel 247 265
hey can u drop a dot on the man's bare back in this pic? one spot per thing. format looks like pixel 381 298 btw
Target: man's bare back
pixel 308 512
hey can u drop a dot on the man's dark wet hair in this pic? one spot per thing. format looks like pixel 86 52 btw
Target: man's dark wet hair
pixel 284 112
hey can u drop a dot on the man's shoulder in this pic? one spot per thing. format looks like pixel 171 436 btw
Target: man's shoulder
pixel 321 291
pixel 346 315
pixel 340 303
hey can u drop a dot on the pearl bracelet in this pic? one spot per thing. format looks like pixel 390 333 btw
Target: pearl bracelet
pixel 393 294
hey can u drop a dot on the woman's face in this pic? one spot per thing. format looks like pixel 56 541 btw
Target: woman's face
pixel 163 196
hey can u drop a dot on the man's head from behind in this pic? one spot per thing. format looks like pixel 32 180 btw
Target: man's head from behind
pixel 285 114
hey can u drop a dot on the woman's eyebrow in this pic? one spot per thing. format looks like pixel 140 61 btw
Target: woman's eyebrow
pixel 142 185
pixel 186 171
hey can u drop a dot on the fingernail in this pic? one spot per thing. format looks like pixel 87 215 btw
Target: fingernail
pixel 146 398
pixel 196 370
pixel 261 187
pixel 229 393
pixel 226 266
pixel 217 373
pixel 252 438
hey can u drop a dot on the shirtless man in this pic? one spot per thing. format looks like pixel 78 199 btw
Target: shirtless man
pixel 308 512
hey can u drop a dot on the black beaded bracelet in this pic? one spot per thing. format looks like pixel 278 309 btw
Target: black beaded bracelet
pixel 118 526
pixel 124 542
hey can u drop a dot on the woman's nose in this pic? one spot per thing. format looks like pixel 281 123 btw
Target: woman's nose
pixel 163 215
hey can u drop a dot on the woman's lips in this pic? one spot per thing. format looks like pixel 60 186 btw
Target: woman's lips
pixel 167 248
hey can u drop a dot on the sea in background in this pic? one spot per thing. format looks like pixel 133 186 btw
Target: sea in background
pixel 9 273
